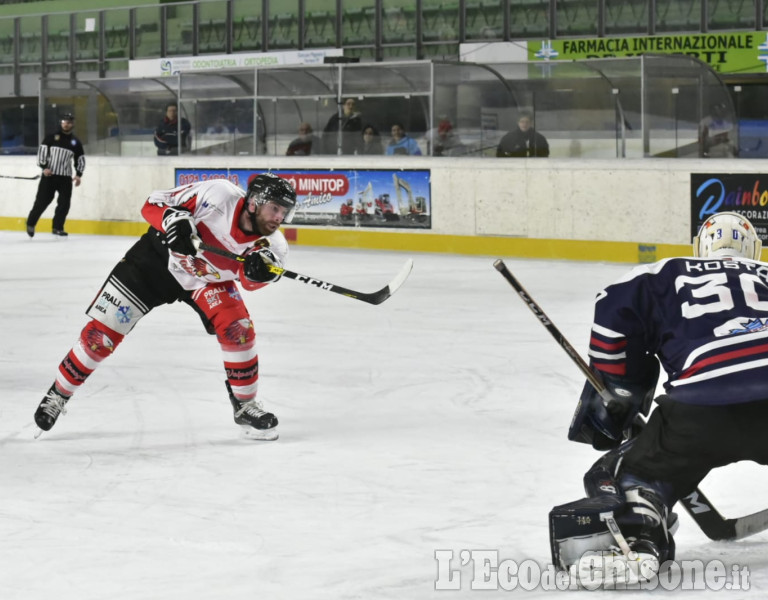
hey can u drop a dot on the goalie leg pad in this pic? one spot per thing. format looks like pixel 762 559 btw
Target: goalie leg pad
pixel 577 528
pixel 620 509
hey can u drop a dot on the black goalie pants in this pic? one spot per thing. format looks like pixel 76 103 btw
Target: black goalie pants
pixel 683 442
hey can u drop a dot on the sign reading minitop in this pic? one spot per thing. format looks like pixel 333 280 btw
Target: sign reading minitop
pixel 743 52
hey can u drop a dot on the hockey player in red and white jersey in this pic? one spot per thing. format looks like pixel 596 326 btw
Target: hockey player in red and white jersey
pixel 165 266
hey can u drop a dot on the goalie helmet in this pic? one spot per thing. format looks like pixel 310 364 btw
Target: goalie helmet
pixel 727 234
pixel 268 187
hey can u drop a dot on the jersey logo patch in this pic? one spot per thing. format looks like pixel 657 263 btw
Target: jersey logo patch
pixel 742 325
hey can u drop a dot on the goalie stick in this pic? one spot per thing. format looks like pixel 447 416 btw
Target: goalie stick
pixel 371 298
pixel 697 505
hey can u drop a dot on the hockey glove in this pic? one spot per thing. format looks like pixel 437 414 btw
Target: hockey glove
pixel 179 229
pixel 257 266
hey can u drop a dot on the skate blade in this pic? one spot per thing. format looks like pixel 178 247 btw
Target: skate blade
pixel 264 435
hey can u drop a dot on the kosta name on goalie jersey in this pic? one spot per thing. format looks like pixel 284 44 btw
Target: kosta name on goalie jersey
pixel 701 266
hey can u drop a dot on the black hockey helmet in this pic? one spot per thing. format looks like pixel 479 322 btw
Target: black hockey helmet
pixel 268 187
pixel 67 116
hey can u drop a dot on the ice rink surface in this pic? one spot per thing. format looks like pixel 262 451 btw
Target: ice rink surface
pixel 435 421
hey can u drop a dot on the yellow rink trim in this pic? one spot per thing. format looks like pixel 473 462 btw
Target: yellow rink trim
pixel 416 241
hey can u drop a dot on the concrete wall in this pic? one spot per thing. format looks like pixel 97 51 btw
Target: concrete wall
pixel 559 208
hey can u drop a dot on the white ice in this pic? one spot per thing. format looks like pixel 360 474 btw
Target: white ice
pixel 435 421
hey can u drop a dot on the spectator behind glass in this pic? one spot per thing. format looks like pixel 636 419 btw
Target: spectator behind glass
pixel 347 121
pixel 167 132
pixel 523 141
pixel 219 127
pixel 447 143
pixel 371 144
pixel 305 144
pixel 715 131
pixel 401 143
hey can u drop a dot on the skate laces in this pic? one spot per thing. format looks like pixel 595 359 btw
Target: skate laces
pixel 252 408
pixel 53 404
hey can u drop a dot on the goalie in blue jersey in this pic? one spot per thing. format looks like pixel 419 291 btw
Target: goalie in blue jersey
pixel 704 319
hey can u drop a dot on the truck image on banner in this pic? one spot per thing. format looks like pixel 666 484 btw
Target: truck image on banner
pixel 355 198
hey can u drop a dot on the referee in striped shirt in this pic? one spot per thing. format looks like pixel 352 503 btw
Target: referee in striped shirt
pixel 55 157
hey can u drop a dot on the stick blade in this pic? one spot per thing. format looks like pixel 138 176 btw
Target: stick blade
pixel 750 524
pixel 389 289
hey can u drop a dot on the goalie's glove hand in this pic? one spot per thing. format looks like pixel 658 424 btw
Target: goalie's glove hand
pixel 179 229
pixel 257 266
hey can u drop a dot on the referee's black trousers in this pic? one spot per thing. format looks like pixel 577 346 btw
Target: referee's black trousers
pixel 45 193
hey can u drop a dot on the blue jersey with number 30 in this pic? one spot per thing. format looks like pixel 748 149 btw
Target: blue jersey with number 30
pixel 705 319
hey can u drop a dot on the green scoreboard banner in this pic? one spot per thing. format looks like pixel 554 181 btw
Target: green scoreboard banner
pixel 742 52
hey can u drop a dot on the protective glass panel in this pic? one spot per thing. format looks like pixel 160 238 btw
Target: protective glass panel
pixel 18 126
pixel 576 17
pixel 357 23
pixel 148 31
pixel 7 45
pixel 626 17
pixel 440 29
pixel 529 19
pixel 117 38
pixel 87 40
pixel 485 19
pixel 624 107
pixel 678 15
pixel 212 31
pixel 247 26
pixel 688 111
pixel 570 104
pixel 58 38
pixel 726 14
pixel 179 29
pixel 319 24
pixel 220 108
pixel 284 25
pixel 468 101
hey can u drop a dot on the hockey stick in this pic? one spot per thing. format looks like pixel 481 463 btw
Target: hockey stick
pixel 371 298
pixel 712 523
pixel 17 177
pixel 593 377
pixel 715 526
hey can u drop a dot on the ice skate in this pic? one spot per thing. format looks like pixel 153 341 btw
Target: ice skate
pixel 51 406
pixel 257 424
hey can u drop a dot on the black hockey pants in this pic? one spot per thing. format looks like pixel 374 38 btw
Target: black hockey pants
pixel 683 442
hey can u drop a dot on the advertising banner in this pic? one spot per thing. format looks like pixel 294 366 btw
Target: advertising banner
pixel 743 193
pixel 354 197
pixel 166 67
pixel 742 52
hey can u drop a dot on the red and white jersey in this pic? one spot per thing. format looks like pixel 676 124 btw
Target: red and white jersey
pixel 215 206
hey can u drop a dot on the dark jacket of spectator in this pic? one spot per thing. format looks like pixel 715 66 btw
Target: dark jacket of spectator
pixel 350 123
pixel 523 141
pixel 167 132
pixel 305 144
pixel 371 142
